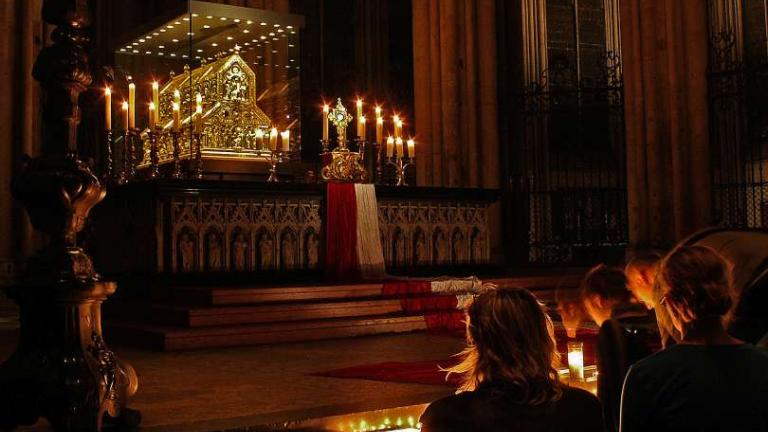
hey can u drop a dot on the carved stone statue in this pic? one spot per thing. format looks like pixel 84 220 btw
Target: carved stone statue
pixel 214 251
pixel 187 252
pixel 312 247
pixel 239 252
pixel 441 248
pixel 287 251
pixel 266 251
pixel 419 248
pixel 478 248
pixel 398 248
pixel 457 251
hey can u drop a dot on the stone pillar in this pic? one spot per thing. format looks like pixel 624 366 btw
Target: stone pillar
pixel 665 75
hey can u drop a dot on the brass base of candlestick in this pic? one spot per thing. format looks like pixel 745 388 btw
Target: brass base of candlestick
pixel 342 166
pixel 274 158
pixel 401 164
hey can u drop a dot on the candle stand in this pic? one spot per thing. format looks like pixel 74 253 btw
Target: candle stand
pixel 107 174
pixel 175 135
pixel 154 159
pixel 341 164
pixel 401 164
pixel 275 158
pixel 197 137
pixel 379 166
pixel 133 141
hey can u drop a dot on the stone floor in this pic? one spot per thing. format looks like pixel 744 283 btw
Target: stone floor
pixel 224 389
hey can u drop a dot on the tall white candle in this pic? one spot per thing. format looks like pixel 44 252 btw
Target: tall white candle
pixel 156 100
pixel 260 138
pixel 176 117
pixel 326 110
pixel 152 112
pixel 361 128
pixel 399 146
pixel 286 140
pixel 390 146
pixel 379 130
pixel 273 139
pixel 131 105
pixel 411 147
pixel 125 115
pixel 107 108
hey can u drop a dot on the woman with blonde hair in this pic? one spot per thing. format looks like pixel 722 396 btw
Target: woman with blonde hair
pixel 509 374
pixel 709 381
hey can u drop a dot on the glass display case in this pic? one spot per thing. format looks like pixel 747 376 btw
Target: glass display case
pixel 209 82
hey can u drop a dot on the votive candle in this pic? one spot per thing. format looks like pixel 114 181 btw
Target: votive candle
pixel 576 361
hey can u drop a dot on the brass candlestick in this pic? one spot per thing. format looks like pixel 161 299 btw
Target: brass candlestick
pixel 175 135
pixel 401 164
pixel 154 159
pixel 379 167
pixel 275 157
pixel 122 176
pixel 133 139
pixel 107 174
pixel 198 139
pixel 325 145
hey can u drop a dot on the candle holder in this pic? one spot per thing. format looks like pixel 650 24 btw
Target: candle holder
pixel 576 361
pixel 275 157
pixel 108 162
pixel 175 135
pixel 377 149
pixel 198 140
pixel 131 142
pixel 122 176
pixel 325 145
pixel 341 164
pixel 154 158
pixel 401 164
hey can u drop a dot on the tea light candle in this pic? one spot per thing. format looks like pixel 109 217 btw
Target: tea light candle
pixel 131 105
pixel 152 112
pixel 286 136
pixel 273 139
pixel 390 146
pixel 107 108
pixel 411 148
pixel 576 361
pixel 326 110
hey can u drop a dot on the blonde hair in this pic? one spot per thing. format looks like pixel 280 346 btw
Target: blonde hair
pixel 510 340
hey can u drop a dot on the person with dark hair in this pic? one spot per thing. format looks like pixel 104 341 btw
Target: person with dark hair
pixel 641 281
pixel 710 381
pixel 626 329
pixel 510 374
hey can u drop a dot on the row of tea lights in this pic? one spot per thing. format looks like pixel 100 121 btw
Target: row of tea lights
pixel 129 115
pixel 395 146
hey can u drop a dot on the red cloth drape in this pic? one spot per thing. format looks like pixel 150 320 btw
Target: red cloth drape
pixel 341 232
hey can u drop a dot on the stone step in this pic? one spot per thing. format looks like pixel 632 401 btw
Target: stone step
pixel 175 338
pixel 239 295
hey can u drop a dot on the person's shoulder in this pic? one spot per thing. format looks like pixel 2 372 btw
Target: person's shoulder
pixel 578 403
pixel 448 406
pixel 578 397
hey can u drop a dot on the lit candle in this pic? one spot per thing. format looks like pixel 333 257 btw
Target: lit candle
pixel 411 148
pixel 390 146
pixel 273 139
pixel 152 112
pixel 398 125
pixel 156 100
pixel 359 107
pixel 177 98
pixel 361 128
pixel 378 111
pixel 199 113
pixel 399 146
pixel 176 117
pixel 286 136
pixel 379 130
pixel 108 108
pixel 125 114
pixel 260 138
pixel 326 110
pixel 576 361
pixel 131 105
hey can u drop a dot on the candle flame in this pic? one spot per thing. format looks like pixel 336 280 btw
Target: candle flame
pixel 378 111
pixel 176 106
pixel 151 106
pixel 362 119
pixel 125 105
pixel 107 91
pixel 155 85
pixel 326 108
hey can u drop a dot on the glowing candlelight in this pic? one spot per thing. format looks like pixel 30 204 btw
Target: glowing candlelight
pixel 399 147
pixel 108 108
pixel 131 105
pixel 379 130
pixel 125 114
pixel 398 126
pixel 286 138
pixel 390 146
pixel 576 361
pixel 156 100
pixel 152 112
pixel 378 111
pixel 359 105
pixel 198 113
pixel 260 138
pixel 176 117
pixel 273 139
pixel 326 110
pixel 177 98
pixel 361 128
pixel 411 147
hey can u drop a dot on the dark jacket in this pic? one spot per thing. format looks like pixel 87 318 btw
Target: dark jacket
pixel 622 341
pixel 492 408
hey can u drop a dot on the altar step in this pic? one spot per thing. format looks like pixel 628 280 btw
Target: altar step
pixel 209 316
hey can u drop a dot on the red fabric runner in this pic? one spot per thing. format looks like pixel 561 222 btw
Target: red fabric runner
pixel 341 232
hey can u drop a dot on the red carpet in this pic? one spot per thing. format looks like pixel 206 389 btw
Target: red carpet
pixel 429 373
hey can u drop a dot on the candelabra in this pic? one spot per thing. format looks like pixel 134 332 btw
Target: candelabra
pixel 401 164
pixel 325 145
pixel 132 139
pixel 379 165
pixel 197 137
pixel 154 158
pixel 275 158
pixel 107 174
pixel 341 164
pixel 122 176
pixel 175 135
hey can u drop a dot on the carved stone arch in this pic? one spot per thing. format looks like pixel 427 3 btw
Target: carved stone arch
pixel 478 245
pixel 266 247
pixel 310 247
pixel 185 248
pixel 289 249
pixel 399 247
